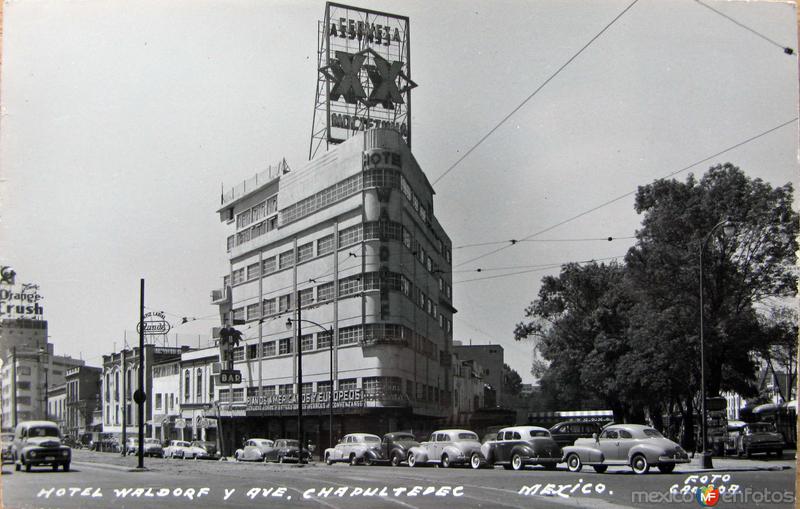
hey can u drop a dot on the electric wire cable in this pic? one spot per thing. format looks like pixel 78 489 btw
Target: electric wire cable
pixel 620 197
pixel 539 269
pixel 786 49
pixel 525 101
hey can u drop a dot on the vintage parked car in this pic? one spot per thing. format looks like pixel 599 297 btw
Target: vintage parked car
pixel 287 451
pixel 636 445
pixel 758 437
pixel 517 446
pixel 448 447
pixel 565 433
pixel 352 448
pixel 7 445
pixel 394 449
pixel 152 447
pixel 183 449
pixel 209 447
pixel 254 449
pixel 39 443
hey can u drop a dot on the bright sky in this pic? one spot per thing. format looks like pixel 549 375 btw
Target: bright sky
pixel 121 120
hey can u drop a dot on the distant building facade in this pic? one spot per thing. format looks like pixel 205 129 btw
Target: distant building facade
pixel 490 358
pixel 83 390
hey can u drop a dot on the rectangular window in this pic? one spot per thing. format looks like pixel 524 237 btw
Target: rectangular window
pixel 305 252
pixel 323 387
pixel 272 204
pixel 286 259
pixel 325 245
pixel 242 237
pixel 349 285
pixel 252 351
pixel 158 401
pixel 259 211
pixel 238 276
pixel 406 238
pixel 253 312
pixel 350 335
pixel 238 353
pixel 253 271
pixel 284 346
pixel 410 389
pixel 350 236
pixel 270 307
pixel 268 390
pixel 307 342
pixel 269 349
pixel 286 389
pixel 224 395
pixel 348 384
pixel 284 303
pixel 324 339
pixel 306 297
pixel 243 219
pixel 238 394
pixel 325 292
pixel 269 266
pixel 238 314
pixel 308 388
pixel 231 242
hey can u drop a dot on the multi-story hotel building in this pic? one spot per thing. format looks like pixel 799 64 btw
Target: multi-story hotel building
pixel 354 237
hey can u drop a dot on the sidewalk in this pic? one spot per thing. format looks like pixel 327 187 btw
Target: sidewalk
pixel 730 463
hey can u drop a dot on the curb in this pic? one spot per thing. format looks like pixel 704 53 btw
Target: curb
pixel 111 467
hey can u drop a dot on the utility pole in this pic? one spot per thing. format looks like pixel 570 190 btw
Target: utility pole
pixel 140 395
pixel 14 392
pixel 299 374
pixel 124 447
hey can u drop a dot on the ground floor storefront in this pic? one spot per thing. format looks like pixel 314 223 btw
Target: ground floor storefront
pixel 318 433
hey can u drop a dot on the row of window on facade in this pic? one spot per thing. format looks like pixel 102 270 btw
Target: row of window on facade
pixel 117 385
pixel 326 197
pixel 349 286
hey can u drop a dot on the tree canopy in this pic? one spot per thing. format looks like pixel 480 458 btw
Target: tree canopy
pixel 626 335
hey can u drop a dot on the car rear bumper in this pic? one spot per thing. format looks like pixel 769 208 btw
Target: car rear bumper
pixel 667 460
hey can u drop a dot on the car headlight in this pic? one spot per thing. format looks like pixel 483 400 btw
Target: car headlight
pixel 32 454
pixel 65 453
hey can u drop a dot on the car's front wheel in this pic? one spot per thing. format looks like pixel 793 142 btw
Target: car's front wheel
pixel 445 460
pixel 353 460
pixel 574 463
pixel 639 464
pixel 412 460
pixel 516 462
pixel 369 460
pixel 328 460
pixel 66 467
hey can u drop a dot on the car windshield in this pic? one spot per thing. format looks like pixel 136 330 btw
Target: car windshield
pixel 372 439
pixel 263 443
pixel 760 428
pixel 539 433
pixel 292 443
pixel 181 444
pixel 467 436
pixel 403 437
pixel 153 441
pixel 43 431
pixel 651 433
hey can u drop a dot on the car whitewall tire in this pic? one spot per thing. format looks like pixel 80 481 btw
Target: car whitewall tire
pixel 574 463
pixel 639 464
pixel 475 461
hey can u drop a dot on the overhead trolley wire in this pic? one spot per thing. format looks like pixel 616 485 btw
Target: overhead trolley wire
pixel 620 197
pixel 786 49
pixel 520 105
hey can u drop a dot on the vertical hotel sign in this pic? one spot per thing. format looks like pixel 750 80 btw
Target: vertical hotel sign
pixel 364 79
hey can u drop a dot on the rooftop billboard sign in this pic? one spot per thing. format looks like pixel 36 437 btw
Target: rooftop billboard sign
pixel 364 80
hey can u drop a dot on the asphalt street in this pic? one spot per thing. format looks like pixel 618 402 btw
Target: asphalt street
pixel 102 480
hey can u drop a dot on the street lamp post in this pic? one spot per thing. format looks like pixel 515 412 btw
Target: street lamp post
pixel 329 330
pixel 728 228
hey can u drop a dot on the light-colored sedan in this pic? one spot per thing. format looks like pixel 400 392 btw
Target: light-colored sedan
pixel 448 447
pixel 636 445
pixel 183 449
pixel 254 449
pixel 352 448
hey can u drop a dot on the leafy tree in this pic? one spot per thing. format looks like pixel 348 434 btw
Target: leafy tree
pixel 628 335
pixel 512 382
